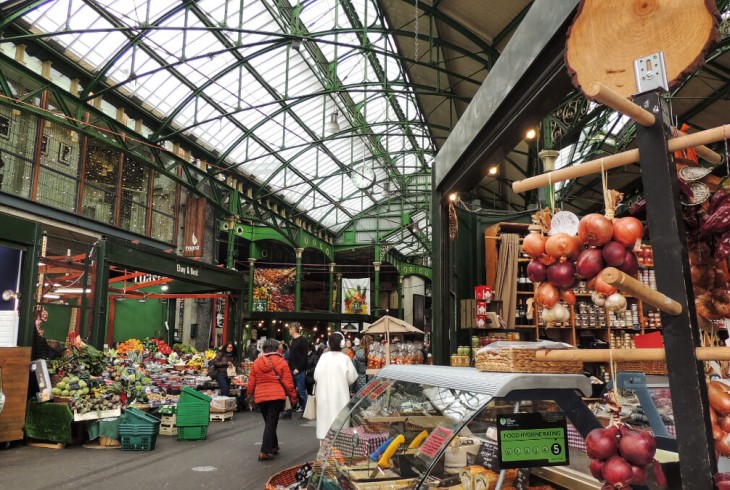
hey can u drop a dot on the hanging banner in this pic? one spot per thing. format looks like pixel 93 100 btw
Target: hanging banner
pixel 356 296
pixel 274 289
pixel 194 227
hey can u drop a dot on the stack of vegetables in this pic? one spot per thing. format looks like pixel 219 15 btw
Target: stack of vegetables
pixel 561 259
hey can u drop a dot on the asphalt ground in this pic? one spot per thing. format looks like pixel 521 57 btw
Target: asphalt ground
pixel 227 459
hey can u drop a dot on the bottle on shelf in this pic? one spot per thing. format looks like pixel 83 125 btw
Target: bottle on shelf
pixel 523 282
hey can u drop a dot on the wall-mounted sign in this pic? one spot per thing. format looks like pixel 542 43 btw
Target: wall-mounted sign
pixel 188 270
pixel 194 227
pixel 532 439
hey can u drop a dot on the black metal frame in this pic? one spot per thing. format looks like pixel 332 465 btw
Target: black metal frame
pixel 681 333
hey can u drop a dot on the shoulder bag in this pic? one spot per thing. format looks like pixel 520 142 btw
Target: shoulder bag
pixel 310 409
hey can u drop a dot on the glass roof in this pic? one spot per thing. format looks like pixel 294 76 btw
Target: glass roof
pixel 259 83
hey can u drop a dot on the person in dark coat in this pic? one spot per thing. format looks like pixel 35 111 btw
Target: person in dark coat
pixel 298 354
pixel 266 382
pixel 224 358
pixel 252 353
pixel 311 364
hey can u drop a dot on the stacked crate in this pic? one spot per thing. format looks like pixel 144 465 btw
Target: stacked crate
pixel 138 430
pixel 168 422
pixel 193 415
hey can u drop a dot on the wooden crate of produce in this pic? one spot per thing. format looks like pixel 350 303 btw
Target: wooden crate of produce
pixel 15 363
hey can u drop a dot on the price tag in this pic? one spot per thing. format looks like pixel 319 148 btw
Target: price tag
pixel 564 222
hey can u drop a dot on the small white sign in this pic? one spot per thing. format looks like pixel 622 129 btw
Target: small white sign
pixel 564 222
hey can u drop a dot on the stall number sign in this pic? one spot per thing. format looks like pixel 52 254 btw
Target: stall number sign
pixel 532 439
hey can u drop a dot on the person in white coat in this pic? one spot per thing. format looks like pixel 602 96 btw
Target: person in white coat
pixel 334 374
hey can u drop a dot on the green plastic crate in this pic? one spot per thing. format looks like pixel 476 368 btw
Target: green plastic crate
pixel 137 442
pixel 193 433
pixel 138 430
pixel 189 395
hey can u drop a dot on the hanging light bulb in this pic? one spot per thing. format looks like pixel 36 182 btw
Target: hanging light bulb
pixel 333 126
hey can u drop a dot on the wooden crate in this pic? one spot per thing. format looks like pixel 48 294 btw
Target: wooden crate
pixel 221 417
pixel 15 365
pixel 168 430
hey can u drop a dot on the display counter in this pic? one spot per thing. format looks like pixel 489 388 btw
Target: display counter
pixel 438 427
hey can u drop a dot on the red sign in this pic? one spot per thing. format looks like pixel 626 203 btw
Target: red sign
pixel 435 441
pixel 194 227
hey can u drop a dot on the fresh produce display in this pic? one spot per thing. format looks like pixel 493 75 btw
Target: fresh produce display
pixel 707 226
pixel 560 259
pixel 719 397
pixel 140 373
pixel 130 345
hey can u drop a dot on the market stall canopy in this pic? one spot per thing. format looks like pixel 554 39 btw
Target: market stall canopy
pixel 388 324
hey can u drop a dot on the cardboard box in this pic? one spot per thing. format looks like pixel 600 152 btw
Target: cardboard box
pixel 222 404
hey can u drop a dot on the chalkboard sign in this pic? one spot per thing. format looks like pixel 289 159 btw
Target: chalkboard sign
pixel 532 439
pixel 488 456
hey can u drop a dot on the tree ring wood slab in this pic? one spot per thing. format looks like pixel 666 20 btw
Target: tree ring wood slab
pixel 608 35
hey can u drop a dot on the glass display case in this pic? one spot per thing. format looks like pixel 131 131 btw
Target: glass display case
pixel 419 427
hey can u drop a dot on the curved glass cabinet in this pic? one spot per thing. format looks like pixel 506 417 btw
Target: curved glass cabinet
pixel 456 407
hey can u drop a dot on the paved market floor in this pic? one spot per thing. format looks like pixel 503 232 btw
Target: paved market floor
pixel 227 459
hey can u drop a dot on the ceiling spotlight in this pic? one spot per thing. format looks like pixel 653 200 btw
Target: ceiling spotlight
pixel 119 299
pixel 164 287
pixel 142 300
pixel 452 196
pixel 333 126
pixel 296 44
pixel 531 134
pixel 493 170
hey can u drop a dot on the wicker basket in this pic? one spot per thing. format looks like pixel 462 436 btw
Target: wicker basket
pixel 283 478
pixel 516 360
pixel 646 367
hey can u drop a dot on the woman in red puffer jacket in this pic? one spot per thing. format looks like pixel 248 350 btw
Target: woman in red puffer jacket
pixel 266 382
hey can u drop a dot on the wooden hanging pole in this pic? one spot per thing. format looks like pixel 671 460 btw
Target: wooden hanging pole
pixel 618 160
pixel 626 355
pixel 629 285
pixel 610 98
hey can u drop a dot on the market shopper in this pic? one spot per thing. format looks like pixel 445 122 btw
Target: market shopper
pixel 298 354
pixel 333 376
pixel 269 383
pixel 224 358
pixel 362 351
pixel 252 353
pixel 315 352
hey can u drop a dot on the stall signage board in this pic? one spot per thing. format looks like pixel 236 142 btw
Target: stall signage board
pixel 532 439
pixel 488 456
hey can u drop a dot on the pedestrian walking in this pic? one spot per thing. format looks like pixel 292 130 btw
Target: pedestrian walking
pixel 333 376
pixel 269 383
pixel 298 356
pixel 362 351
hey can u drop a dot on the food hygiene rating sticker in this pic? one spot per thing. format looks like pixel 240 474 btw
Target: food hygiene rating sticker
pixel 532 439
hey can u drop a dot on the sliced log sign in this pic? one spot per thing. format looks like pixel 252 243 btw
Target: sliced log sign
pixel 608 35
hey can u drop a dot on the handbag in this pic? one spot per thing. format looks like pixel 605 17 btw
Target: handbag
pixel 231 371
pixel 310 409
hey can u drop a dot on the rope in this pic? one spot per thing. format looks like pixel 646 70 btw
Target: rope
pixel 607 202
pixel 727 153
